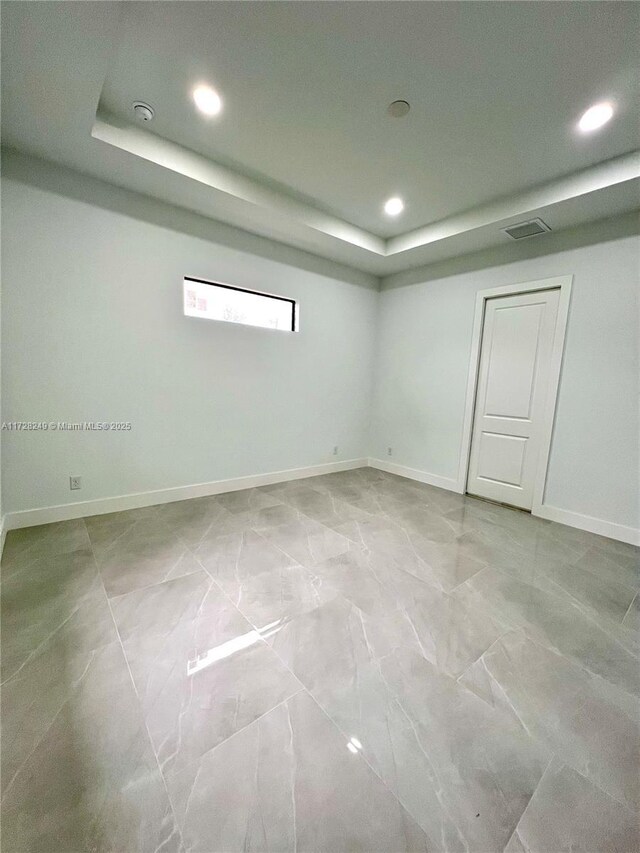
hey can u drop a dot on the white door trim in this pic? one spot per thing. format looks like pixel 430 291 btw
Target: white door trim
pixel 562 282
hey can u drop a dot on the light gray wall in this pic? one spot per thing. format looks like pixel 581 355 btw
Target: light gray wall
pixel 93 330
pixel 422 363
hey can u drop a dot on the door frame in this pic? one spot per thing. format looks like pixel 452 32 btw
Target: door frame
pixel 563 283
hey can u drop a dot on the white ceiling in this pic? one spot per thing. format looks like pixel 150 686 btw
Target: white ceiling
pixel 304 151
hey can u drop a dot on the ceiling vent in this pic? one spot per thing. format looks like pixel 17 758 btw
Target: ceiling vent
pixel 532 228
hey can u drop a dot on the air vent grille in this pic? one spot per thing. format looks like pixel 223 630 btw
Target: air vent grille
pixel 526 229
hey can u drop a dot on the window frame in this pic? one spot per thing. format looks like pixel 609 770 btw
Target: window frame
pixel 292 302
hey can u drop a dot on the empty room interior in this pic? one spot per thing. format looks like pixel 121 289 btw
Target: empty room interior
pixel 320 445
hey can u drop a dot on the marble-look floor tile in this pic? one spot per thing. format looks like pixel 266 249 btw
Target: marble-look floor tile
pixel 422 521
pixel 561 625
pixel 193 519
pixel 272 516
pixel 567 813
pixel 603 597
pixel 325 646
pixel 347 489
pixel 28 544
pixel 591 725
pixel 582 540
pixel 508 528
pixel 247 499
pixel 492 545
pixel 452 645
pixel 450 630
pixel 202 672
pixel 288 782
pixel 146 553
pixel 307 542
pixel 441 500
pixel 321 506
pixel 450 565
pixel 233 558
pixel 46 678
pixel 105 529
pixel 362 478
pixel 464 771
pixel 399 487
pixel 40 598
pixel 378 533
pixel 485 768
pixel 365 578
pixel 277 595
pixel 609 565
pixel 91 782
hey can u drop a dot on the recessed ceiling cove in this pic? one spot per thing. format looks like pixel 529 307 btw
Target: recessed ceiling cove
pixel 304 149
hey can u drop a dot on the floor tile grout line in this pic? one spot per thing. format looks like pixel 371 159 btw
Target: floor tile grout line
pixel 141 710
pixel 91 652
pixel 595 785
pixel 146 728
pixel 629 607
pixel 262 641
pixel 524 811
pixel 305 689
pixel 565 595
pixel 149 586
pixel 536 738
pixel 361 756
pixel 233 735
pixel 7 788
pixel 40 645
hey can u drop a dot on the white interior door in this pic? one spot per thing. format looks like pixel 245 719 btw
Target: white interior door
pixel 511 396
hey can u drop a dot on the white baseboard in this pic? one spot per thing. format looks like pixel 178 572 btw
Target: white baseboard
pixel 414 474
pixel 631 535
pixel 65 512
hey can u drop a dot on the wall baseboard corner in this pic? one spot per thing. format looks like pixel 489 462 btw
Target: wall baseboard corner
pixel 414 474
pixel 610 529
pixel 66 512
pixel 3 533
pixel 630 535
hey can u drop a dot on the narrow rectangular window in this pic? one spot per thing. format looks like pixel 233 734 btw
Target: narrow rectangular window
pixel 214 301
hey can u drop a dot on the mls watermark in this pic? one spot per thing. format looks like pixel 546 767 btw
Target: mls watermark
pixel 66 426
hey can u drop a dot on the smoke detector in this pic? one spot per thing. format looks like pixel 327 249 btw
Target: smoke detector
pixel 531 228
pixel 142 111
pixel 398 109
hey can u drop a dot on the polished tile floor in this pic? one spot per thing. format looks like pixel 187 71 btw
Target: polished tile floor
pixel 349 662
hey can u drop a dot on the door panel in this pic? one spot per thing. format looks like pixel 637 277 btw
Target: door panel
pixel 513 380
pixel 512 363
pixel 501 458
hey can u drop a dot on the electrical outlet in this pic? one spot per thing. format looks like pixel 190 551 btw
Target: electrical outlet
pixel 75 483
pixel 389 451
pixel 335 450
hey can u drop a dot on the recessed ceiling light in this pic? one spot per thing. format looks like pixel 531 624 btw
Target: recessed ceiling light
pixel 207 100
pixel 393 206
pixel 595 117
